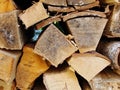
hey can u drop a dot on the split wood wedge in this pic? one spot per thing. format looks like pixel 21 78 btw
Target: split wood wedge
pixel 88 65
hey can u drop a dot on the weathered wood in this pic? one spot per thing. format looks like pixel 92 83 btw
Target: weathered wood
pixel 48 21
pixel 113 26
pixel 7 5
pixel 110 2
pixel 61 79
pixel 88 64
pixel 79 2
pixel 33 14
pixel 55 2
pixel 105 80
pixel 11 36
pixel 8 63
pixel 30 67
pixel 111 49
pixel 54 46
pixel 7 86
pixel 87 31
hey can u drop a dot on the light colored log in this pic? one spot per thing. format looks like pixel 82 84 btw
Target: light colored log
pixel 88 65
pixel 54 46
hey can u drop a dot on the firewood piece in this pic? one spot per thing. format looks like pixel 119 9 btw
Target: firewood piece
pixel 8 63
pixel 83 13
pixel 105 80
pixel 88 64
pixel 30 67
pixel 113 26
pixel 110 2
pixel 61 79
pixel 53 46
pixel 87 31
pixel 7 86
pixel 79 2
pixel 11 36
pixel 48 21
pixel 7 5
pixel 55 2
pixel 111 49
pixel 33 14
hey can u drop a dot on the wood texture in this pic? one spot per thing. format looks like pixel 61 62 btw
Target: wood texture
pixel 33 14
pixel 11 36
pixel 30 67
pixel 53 46
pixel 61 79
pixel 88 65
pixel 87 31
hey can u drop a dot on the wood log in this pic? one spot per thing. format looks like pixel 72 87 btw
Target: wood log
pixel 55 2
pixel 7 5
pixel 7 86
pixel 87 31
pixel 79 2
pixel 88 65
pixel 111 49
pixel 110 2
pixel 105 80
pixel 54 46
pixel 8 63
pixel 30 67
pixel 33 14
pixel 61 79
pixel 11 36
pixel 112 28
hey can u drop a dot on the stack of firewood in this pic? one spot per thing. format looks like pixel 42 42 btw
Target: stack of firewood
pixel 60 45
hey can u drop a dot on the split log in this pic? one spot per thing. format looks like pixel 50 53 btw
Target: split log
pixel 88 64
pixel 113 26
pixel 111 49
pixel 55 2
pixel 11 36
pixel 105 80
pixel 7 86
pixel 79 2
pixel 61 79
pixel 30 67
pixel 7 5
pixel 33 14
pixel 87 31
pixel 48 21
pixel 54 46
pixel 8 63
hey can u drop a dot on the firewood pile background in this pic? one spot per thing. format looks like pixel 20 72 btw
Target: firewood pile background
pixel 59 45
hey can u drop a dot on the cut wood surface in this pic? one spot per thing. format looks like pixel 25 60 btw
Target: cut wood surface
pixel 30 67
pixel 87 31
pixel 61 79
pixel 88 65
pixel 106 80
pixel 111 49
pixel 11 36
pixel 8 63
pixel 55 2
pixel 113 26
pixel 6 6
pixel 33 14
pixel 54 46
pixel 79 2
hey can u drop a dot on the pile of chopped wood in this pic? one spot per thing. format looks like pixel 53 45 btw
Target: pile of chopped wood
pixel 59 45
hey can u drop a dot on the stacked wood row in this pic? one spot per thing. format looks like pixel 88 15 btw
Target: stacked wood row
pixel 59 45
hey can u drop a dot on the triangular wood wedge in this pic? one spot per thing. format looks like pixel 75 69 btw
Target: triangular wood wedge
pixel 33 14
pixel 87 31
pixel 61 79
pixel 8 63
pixel 54 46
pixel 88 64
pixel 30 67
pixel 11 36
